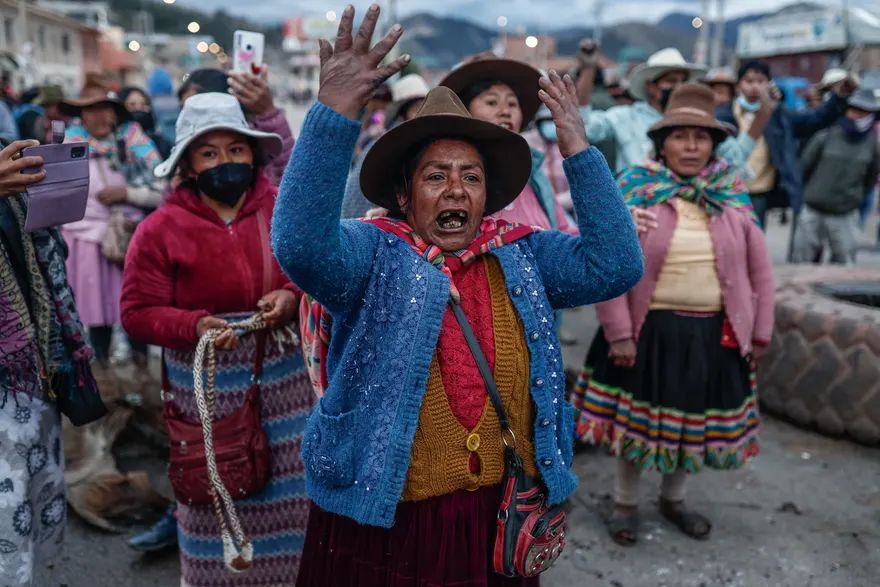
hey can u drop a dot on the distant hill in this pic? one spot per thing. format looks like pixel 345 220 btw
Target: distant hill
pixel 441 42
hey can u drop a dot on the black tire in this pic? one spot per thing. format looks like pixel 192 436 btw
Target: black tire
pixel 822 369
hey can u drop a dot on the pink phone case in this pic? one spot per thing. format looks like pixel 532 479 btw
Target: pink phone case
pixel 62 195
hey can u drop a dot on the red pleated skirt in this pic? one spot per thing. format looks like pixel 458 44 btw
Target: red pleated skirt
pixel 443 541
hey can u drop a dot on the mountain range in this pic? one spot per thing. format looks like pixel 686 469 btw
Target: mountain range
pixel 443 41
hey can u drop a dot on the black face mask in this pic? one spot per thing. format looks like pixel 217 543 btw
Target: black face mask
pixel 226 183
pixel 145 119
pixel 664 97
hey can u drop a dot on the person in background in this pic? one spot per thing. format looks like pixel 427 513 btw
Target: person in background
pixel 773 166
pixel 38 108
pixel 840 166
pixel 200 262
pixel 165 105
pixel 373 122
pixel 669 381
pixel 652 83
pixel 543 139
pixel 116 145
pixel 8 126
pixel 45 354
pixel 505 92
pixel 30 117
pixel 255 97
pixel 140 110
pixel 407 95
pixel 722 82
pixel 619 92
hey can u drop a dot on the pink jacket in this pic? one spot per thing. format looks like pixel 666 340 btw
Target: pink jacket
pixel 276 122
pixel 744 270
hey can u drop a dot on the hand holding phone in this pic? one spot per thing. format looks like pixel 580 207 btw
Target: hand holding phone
pixel 60 190
pixel 247 51
pixel 252 91
pixel 17 172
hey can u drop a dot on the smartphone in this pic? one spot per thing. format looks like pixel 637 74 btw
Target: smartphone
pixel 247 50
pixel 61 196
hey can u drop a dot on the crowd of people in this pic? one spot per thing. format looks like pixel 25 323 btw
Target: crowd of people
pixel 379 304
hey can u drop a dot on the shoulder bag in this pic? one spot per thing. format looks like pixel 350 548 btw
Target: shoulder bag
pixel 530 535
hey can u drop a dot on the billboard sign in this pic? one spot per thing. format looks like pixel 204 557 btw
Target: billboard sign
pixel 801 32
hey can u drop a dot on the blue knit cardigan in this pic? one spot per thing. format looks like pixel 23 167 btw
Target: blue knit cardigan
pixel 387 305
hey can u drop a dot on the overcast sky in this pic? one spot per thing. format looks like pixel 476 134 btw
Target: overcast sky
pixel 520 13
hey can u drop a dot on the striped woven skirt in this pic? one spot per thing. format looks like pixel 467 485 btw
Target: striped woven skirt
pixel 688 403
pixel 275 519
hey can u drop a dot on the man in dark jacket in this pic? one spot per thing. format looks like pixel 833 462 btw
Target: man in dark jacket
pixel 774 168
pixel 840 165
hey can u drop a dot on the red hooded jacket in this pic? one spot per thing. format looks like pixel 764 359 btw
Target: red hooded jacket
pixel 185 263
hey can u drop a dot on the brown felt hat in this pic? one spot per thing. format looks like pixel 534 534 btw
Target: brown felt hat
pixel 521 77
pixel 690 104
pixel 508 157
pixel 95 91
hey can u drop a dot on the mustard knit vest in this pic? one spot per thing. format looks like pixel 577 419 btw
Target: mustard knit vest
pixel 442 447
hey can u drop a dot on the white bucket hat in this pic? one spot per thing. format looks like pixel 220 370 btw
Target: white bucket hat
pixel 661 62
pixel 204 113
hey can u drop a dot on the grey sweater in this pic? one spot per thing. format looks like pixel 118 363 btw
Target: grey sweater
pixel 837 173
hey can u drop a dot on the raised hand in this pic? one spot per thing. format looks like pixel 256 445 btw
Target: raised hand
pixel 350 69
pixel 560 96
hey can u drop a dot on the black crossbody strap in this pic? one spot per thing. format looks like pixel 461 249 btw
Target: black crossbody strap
pixel 482 365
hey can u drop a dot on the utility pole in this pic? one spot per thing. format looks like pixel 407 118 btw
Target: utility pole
pixel 718 40
pixel 25 44
pixel 392 20
pixel 598 7
pixel 701 50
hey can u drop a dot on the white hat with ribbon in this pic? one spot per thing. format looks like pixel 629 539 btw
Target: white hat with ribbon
pixel 658 64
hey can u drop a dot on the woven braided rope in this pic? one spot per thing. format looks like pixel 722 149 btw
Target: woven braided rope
pixel 238 552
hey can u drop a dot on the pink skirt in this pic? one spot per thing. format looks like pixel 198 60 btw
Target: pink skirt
pixel 96 283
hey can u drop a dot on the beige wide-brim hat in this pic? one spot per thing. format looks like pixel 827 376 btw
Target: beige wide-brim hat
pixel 691 104
pixel 831 77
pixel 508 156
pixel 407 89
pixel 204 113
pixel 658 64
pixel 521 77
pixel 720 75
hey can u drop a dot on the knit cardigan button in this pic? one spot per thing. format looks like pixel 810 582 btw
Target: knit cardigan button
pixel 545 422
pixel 536 335
pixel 539 382
pixel 547 462
pixel 473 442
pixel 517 291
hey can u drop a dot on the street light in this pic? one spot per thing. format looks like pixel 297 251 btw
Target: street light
pixel 330 16
pixel 531 41
pixel 169 1
pixel 214 48
pixel 193 27
pixel 134 46
pixel 697 22
pixel 202 47
pixel 502 21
